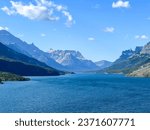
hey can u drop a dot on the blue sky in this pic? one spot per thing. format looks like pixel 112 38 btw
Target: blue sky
pixel 99 29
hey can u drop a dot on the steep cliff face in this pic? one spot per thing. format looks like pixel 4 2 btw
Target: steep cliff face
pixel 144 69
pixel 130 60
pixel 125 55
pixel 146 49
pixel 64 56
pixel 129 54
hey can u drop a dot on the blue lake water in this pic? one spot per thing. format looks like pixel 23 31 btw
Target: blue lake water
pixel 77 93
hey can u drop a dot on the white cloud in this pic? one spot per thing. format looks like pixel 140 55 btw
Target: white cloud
pixel 43 35
pixel 141 37
pixel 91 39
pixel 109 29
pixel 41 10
pixel 8 11
pixel 3 28
pixel 69 18
pixel 121 4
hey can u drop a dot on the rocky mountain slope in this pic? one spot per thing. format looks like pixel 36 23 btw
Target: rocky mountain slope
pixel 132 62
pixel 63 60
pixel 142 71
pixel 72 60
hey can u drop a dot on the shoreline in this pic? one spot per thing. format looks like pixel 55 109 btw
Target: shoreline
pixel 5 76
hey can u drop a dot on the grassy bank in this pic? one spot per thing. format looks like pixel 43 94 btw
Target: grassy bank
pixel 4 76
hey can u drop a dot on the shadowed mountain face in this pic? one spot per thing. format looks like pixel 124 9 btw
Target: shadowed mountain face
pixel 22 69
pixel 14 62
pixel 27 49
pixel 8 53
pixel 62 60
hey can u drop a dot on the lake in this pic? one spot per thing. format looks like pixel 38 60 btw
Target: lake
pixel 92 93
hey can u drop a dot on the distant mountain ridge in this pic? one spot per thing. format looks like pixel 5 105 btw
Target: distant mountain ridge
pixel 128 53
pixel 103 64
pixel 130 61
pixel 72 60
pixel 58 55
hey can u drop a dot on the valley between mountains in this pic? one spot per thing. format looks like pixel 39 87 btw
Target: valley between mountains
pixel 17 57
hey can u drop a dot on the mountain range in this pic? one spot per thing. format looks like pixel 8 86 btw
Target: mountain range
pixel 132 62
pixel 72 60
pixel 17 63
pixel 19 57
pixel 27 49
pixel 66 60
